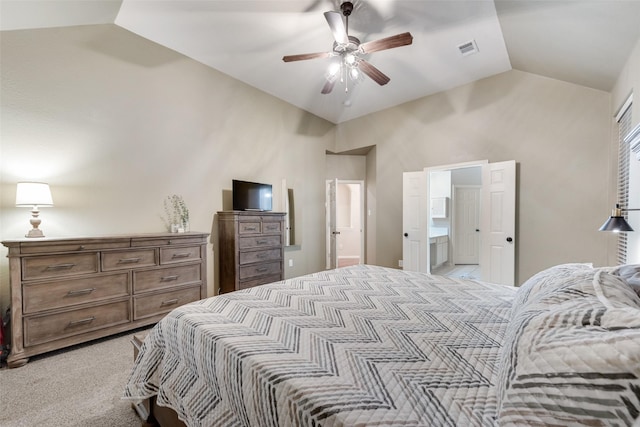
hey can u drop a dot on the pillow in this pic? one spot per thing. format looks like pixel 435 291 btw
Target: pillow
pixel 630 273
pixel 547 280
pixel 572 354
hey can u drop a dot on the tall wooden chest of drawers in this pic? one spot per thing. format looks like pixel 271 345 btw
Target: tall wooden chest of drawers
pixel 72 290
pixel 251 248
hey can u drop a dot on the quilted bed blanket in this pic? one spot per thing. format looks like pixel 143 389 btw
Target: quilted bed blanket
pixel 374 346
pixel 360 345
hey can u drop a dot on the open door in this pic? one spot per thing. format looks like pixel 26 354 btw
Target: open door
pixel 332 254
pixel 497 259
pixel 415 244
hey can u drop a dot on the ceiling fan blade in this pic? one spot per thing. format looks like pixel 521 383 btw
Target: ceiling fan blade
pixel 387 43
pixel 375 74
pixel 328 86
pixel 334 19
pixel 305 56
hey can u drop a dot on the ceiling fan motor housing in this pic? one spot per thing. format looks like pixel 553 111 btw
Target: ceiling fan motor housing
pixel 352 46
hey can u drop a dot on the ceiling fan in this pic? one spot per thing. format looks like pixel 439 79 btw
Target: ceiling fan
pixel 348 53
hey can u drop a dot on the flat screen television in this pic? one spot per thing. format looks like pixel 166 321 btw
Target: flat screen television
pixel 251 196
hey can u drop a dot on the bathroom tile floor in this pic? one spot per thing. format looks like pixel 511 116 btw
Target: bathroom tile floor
pixel 460 271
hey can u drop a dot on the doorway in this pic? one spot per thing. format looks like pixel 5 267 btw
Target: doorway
pixel 345 223
pixel 430 239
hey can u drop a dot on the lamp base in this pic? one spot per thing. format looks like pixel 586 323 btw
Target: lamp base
pixel 34 232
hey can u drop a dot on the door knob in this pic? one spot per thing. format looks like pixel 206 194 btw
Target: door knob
pixel 406 234
pixel 509 239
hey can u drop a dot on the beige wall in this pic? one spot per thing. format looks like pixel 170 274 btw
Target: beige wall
pixel 558 133
pixel 115 123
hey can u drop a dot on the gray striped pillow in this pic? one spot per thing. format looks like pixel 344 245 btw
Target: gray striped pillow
pixel 572 355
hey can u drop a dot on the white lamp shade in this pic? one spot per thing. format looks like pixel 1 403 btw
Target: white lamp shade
pixel 29 194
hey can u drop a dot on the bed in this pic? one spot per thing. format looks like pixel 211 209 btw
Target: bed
pixel 366 345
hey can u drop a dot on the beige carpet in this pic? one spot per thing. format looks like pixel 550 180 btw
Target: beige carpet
pixel 79 386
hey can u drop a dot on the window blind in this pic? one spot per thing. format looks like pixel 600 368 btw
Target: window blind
pixel 624 127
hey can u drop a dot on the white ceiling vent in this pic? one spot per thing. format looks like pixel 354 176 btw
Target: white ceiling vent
pixel 468 48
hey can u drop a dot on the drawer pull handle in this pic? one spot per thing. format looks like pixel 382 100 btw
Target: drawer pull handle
pixel 262 269
pixel 272 227
pixel 251 228
pixel 81 248
pixel 80 292
pixel 128 260
pixel 181 255
pixel 60 267
pixel 261 255
pixel 169 302
pixel 169 278
pixel 262 242
pixel 81 322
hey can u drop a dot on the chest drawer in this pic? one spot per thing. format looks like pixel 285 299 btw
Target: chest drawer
pixel 155 304
pixel 41 329
pixel 259 280
pixel 121 260
pixel 271 227
pixel 259 241
pixel 246 227
pixel 258 256
pixel 70 292
pixel 267 268
pixel 43 267
pixel 165 277
pixel 173 255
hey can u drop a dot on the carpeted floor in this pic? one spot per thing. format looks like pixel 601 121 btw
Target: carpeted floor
pixel 78 386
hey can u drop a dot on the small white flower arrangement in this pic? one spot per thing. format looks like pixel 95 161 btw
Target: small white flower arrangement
pixel 176 214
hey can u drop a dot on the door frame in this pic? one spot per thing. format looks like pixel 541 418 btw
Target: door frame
pixel 332 262
pixel 450 167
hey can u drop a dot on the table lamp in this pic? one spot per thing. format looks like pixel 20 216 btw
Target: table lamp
pixel 33 195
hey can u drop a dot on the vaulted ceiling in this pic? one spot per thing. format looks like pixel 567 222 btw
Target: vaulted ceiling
pixel 586 42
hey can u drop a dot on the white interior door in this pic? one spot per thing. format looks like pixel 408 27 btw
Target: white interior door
pixel 466 229
pixel 415 243
pixel 497 229
pixel 332 255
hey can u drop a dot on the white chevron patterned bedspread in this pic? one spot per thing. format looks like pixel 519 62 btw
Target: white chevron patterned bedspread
pixel 360 345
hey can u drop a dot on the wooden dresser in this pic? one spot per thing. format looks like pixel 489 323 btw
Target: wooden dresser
pixel 251 248
pixel 72 290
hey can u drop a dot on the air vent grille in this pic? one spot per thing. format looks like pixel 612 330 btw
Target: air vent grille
pixel 468 48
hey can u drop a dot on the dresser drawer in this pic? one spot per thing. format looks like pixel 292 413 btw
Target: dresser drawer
pixel 173 255
pixel 121 260
pixel 149 280
pixel 259 256
pixel 175 239
pixel 69 292
pixel 259 241
pixel 27 248
pixel 155 304
pixel 42 267
pixel 267 268
pixel 42 329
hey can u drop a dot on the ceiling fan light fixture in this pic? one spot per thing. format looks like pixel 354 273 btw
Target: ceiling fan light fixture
pixel 349 59
pixel 334 69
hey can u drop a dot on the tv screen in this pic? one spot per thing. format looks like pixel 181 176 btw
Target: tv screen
pixel 251 196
